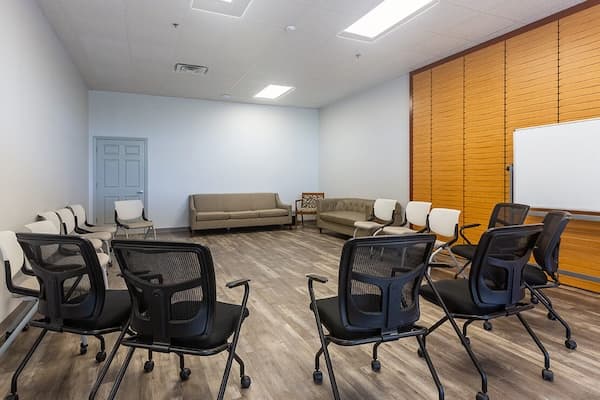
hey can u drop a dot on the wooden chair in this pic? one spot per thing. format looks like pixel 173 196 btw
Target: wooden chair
pixel 308 204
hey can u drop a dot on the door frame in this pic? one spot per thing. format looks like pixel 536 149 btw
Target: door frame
pixel 95 156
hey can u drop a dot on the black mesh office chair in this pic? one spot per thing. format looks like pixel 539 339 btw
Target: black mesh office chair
pixel 175 309
pixel 544 274
pixel 72 296
pixel 503 214
pixel 495 288
pixel 378 298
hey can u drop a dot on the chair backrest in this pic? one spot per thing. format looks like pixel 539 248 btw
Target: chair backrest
pixel 52 217
pixel 417 211
pixel 172 287
pixel 129 209
pixel 43 227
pixel 547 246
pixel 508 214
pixel 383 209
pixel 68 220
pixel 444 221
pixel 496 276
pixel 79 212
pixel 71 284
pixel 379 281
pixel 310 199
pixel 11 253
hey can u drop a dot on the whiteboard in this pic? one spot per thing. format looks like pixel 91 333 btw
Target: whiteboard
pixel 558 166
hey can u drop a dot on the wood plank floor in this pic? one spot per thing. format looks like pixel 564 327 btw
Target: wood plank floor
pixel 279 341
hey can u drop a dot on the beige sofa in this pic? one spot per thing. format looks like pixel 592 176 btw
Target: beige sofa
pixel 235 210
pixel 339 215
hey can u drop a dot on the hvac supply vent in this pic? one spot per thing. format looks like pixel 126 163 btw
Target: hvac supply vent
pixel 191 69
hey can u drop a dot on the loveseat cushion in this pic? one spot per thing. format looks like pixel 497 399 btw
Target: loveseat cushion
pixel 342 217
pixel 211 216
pixel 243 214
pixel 273 212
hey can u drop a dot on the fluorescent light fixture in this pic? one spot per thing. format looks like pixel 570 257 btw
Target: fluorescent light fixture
pixel 227 1
pixel 386 16
pixel 273 92
pixel 230 8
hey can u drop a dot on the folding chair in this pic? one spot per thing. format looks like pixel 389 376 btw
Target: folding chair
pixel 377 301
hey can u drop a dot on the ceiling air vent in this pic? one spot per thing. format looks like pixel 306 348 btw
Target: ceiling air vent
pixel 191 69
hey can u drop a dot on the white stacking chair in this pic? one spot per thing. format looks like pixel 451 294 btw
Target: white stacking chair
pixel 83 226
pixel 416 213
pixel 14 261
pixel 69 224
pixel 130 214
pixel 443 222
pixel 383 211
pixel 54 218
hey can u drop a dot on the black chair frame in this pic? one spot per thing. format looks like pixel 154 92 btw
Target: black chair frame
pixel 135 341
pixel 416 331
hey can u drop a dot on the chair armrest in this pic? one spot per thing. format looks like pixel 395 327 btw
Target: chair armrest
pixel 439 265
pixel 318 278
pixel 236 283
pixel 462 231
pixel 17 289
pixel 296 204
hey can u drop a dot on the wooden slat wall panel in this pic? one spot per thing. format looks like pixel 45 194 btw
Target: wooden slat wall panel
pixel 579 98
pixel 421 137
pixel 531 82
pixel 484 136
pixel 447 135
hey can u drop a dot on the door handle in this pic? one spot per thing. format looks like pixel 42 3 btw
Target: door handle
pixel 141 192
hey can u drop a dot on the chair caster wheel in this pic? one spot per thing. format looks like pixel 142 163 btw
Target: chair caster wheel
pixel 12 396
pixel 570 344
pixel 318 377
pixel 487 325
pixel 185 373
pixel 83 348
pixel 534 300
pixel 148 366
pixel 100 356
pixel 551 317
pixel 246 382
pixel 548 375
pixel 482 396
pixel 376 365
pixel 420 353
pixel 468 340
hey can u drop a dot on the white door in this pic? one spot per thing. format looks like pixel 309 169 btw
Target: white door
pixel 120 174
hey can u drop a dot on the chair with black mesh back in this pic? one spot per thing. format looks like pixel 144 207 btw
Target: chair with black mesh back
pixel 72 296
pixel 175 309
pixel 544 274
pixel 377 301
pixel 495 289
pixel 503 214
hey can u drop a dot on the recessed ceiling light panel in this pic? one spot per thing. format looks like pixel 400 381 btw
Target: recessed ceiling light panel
pixel 230 8
pixel 385 17
pixel 273 91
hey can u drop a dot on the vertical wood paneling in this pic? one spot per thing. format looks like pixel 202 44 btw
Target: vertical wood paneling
pixel 421 137
pixel 531 81
pixel 447 135
pixel 484 136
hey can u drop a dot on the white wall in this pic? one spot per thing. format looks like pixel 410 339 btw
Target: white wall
pixel 43 121
pixel 200 146
pixel 364 144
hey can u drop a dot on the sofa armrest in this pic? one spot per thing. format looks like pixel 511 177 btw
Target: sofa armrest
pixel 280 204
pixel 192 210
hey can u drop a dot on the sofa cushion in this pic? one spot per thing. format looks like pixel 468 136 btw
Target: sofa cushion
pixel 243 214
pixel 273 212
pixel 342 217
pixel 208 202
pixel 211 216
pixel 262 201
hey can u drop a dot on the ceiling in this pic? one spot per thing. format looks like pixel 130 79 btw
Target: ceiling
pixel 131 45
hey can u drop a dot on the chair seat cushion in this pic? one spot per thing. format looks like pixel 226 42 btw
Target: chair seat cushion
pixel 456 295
pixel 347 218
pixel 397 230
pixel 368 225
pixel 104 236
pixel 224 324
pixel 464 250
pixel 116 310
pixel 97 243
pixel 329 312
pixel 100 228
pixel 103 259
pixel 273 212
pixel 211 216
pixel 243 214
pixel 306 210
pixel 534 275
pixel 136 224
